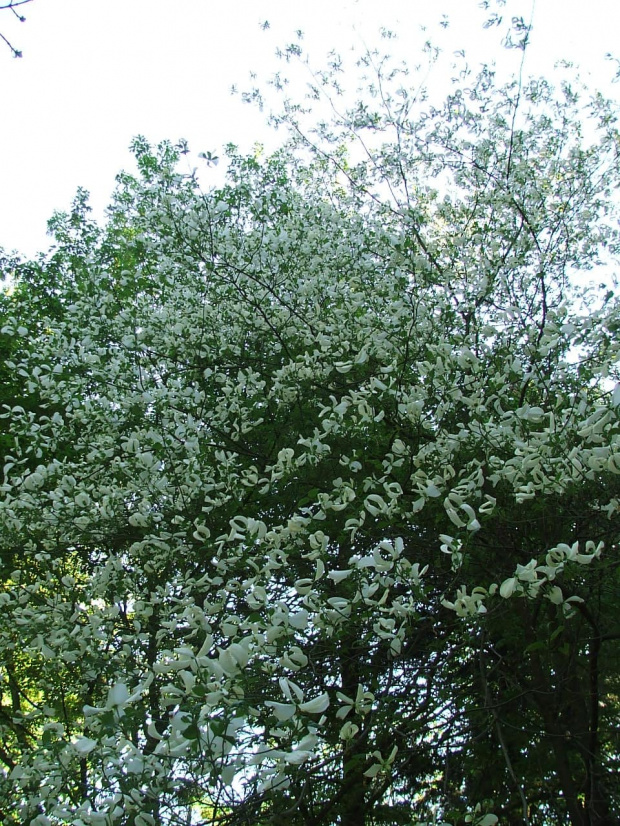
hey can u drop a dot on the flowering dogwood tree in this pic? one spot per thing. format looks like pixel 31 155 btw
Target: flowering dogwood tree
pixel 310 494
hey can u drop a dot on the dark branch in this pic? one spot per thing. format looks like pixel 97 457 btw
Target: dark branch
pixel 11 5
pixel 16 52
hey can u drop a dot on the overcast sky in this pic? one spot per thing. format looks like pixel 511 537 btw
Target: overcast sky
pixel 94 73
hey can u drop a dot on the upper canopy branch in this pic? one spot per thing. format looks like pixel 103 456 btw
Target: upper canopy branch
pixel 6 5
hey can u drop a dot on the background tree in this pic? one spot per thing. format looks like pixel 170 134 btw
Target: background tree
pixel 310 494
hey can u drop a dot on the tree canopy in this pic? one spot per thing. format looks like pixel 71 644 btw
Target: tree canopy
pixel 310 485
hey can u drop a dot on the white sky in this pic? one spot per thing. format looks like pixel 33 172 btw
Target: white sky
pixel 97 72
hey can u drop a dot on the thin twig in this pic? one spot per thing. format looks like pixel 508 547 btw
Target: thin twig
pixel 490 705
pixel 16 52
pixel 11 6
pixel 520 89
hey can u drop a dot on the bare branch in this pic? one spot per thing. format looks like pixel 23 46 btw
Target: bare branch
pixel 16 52
pixel 12 5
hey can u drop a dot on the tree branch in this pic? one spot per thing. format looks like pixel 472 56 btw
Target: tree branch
pixel 11 5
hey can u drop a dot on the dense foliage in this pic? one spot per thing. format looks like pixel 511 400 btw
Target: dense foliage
pixel 310 497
